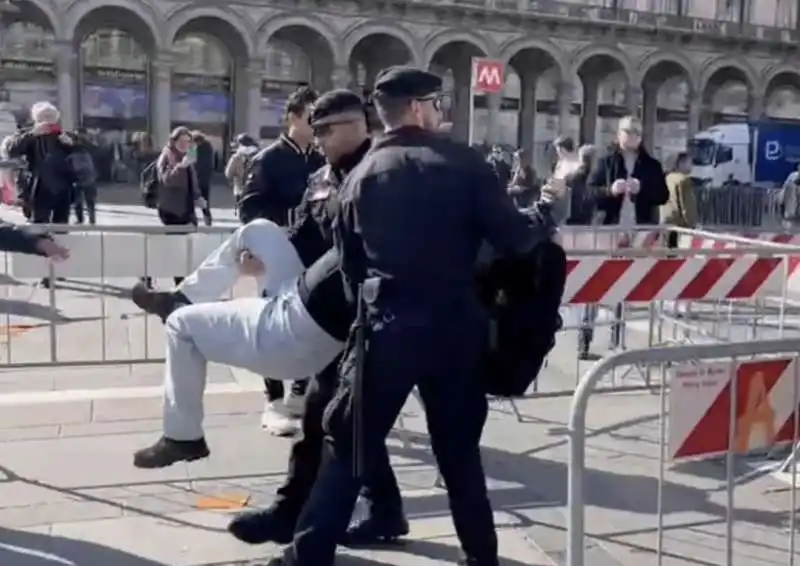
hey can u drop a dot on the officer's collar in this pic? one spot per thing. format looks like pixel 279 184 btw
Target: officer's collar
pixel 348 162
pixel 403 132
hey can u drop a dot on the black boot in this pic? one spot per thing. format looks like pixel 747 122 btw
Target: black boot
pixel 159 303
pixel 166 452
pixel 263 525
pixel 375 529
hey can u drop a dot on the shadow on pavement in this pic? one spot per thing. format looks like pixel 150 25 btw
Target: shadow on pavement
pixel 22 548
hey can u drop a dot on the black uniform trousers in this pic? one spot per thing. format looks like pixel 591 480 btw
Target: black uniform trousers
pixel 440 356
pixel 380 491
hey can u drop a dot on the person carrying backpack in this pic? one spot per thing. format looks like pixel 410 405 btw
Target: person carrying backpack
pixel 85 181
pixel 244 148
pixel 46 150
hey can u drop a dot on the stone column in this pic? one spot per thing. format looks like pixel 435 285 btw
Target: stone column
pixel 526 137
pixel 756 110
pixel 633 100
pixel 589 110
pixel 253 79
pixel 66 67
pixel 649 115
pixel 340 77
pixel 566 97
pixel 695 114
pixel 161 99
pixel 493 103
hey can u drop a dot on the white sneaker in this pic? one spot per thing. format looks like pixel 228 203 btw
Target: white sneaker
pixel 276 421
pixel 294 404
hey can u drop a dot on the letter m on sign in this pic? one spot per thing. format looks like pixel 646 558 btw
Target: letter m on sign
pixel 488 75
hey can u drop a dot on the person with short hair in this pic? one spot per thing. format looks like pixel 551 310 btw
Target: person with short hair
pixel 274 187
pixel 204 170
pixel 244 148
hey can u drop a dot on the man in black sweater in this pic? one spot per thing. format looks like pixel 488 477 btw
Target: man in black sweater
pixel 274 185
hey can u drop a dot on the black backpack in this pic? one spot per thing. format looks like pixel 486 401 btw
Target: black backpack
pixel 148 182
pixel 523 296
pixel 54 173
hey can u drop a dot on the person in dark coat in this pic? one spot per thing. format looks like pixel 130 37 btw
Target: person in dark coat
pixel 279 172
pixel 85 181
pixel 629 172
pixel 46 149
pixel 204 169
pixel 411 219
pixel 630 188
pixel 523 186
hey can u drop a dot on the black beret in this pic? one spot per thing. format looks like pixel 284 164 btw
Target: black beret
pixel 406 82
pixel 336 105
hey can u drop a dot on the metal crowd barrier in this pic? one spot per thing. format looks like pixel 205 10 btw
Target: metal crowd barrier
pixel 713 288
pixel 105 262
pixel 738 205
pixel 725 401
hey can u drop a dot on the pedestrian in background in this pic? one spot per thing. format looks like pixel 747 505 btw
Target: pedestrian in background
pixel 178 189
pixel 244 148
pixel 46 149
pixel 630 186
pixel 85 202
pixel 204 169
pixel 681 208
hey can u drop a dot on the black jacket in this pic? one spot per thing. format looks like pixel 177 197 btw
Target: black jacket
pixel 47 157
pixel 653 192
pixel 204 163
pixel 312 230
pixel 414 214
pixel 277 180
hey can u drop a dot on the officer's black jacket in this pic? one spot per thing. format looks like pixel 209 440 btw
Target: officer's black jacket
pixel 311 232
pixel 415 212
pixel 277 180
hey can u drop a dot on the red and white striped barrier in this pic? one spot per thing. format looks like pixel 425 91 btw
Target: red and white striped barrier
pixel 642 280
pixel 708 243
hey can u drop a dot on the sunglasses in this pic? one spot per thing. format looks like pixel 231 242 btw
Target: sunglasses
pixel 436 99
pixel 325 129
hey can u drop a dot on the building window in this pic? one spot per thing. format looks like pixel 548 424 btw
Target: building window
pixel 656 6
pixel 774 13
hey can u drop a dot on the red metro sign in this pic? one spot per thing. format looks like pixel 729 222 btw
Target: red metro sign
pixel 488 76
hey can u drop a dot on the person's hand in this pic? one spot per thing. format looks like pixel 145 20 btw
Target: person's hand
pixel 250 265
pixel 553 190
pixel 201 202
pixel 65 139
pixel 633 186
pixel 619 187
pixel 52 249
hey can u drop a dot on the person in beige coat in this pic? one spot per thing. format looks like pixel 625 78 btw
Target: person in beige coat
pixel 681 208
pixel 245 147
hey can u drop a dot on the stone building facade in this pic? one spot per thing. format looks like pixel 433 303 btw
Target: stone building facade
pixel 117 66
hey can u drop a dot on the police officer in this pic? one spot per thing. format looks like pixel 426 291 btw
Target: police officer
pixel 339 124
pixel 412 217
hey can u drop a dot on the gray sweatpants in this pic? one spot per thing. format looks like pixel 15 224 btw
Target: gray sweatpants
pixel 273 336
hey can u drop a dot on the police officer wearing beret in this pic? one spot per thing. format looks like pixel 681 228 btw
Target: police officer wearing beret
pixel 412 217
pixel 338 120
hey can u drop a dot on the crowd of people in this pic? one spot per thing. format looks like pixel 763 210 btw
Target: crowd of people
pixel 358 241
